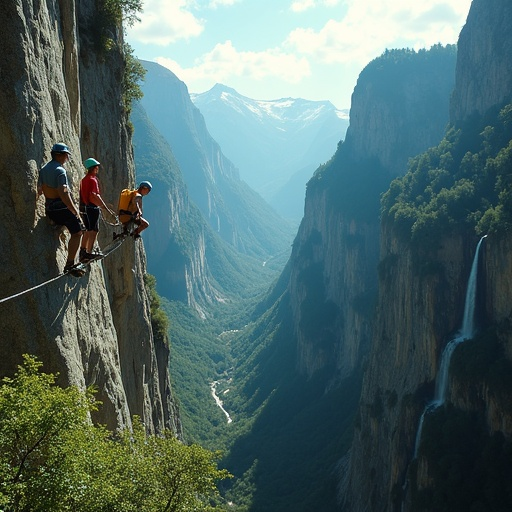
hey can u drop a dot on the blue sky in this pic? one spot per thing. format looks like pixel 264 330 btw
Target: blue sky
pixel 272 49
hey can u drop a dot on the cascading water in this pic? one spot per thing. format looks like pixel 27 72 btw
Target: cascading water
pixel 466 332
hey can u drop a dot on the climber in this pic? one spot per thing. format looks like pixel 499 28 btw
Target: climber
pixel 130 208
pixel 90 203
pixel 59 205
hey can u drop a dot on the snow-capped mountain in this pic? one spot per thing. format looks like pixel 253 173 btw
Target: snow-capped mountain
pixel 270 141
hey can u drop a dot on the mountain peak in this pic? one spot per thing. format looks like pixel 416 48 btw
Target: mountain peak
pixel 220 88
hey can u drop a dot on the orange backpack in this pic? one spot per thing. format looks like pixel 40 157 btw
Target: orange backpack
pixel 126 199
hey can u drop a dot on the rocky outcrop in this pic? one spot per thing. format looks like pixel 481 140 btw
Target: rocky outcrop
pixel 59 85
pixel 331 285
pixel 484 70
pixel 393 126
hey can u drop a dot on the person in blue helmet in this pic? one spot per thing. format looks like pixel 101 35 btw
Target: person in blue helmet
pixel 90 203
pixel 130 209
pixel 59 204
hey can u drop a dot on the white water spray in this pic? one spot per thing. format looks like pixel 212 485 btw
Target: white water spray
pixel 466 332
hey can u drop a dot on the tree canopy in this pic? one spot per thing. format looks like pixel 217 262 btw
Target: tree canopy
pixel 52 458
pixel 462 184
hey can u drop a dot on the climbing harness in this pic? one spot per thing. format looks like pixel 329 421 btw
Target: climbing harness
pixel 110 248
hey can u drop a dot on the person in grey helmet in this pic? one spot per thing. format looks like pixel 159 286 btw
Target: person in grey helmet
pixel 130 208
pixel 90 203
pixel 59 205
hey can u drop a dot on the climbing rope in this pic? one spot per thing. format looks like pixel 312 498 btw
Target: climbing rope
pixel 115 217
pixel 109 249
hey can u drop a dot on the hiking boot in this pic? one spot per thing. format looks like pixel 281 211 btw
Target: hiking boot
pixel 72 269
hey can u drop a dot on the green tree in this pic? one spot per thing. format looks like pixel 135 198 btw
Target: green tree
pixel 36 419
pixel 52 458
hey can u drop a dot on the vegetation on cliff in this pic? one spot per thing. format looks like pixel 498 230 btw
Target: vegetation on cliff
pixel 53 458
pixel 461 185
pixel 105 28
pixel 159 319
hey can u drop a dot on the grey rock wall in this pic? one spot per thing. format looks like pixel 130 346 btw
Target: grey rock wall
pixel 55 86
pixel 484 62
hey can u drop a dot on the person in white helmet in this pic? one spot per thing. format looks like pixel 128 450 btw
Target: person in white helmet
pixel 90 203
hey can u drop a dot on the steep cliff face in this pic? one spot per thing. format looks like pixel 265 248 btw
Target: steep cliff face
pixel 409 335
pixel 334 264
pixel 391 126
pixel 484 70
pixel 177 245
pixel 331 285
pixel 57 85
pixel 420 307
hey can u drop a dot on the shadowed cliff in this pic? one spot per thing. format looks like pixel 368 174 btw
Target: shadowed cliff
pixel 433 218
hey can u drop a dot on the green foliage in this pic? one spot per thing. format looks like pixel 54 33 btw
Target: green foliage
pixel 109 19
pixel 134 74
pixel 200 356
pixel 37 420
pixel 105 28
pixel 273 410
pixel 53 458
pixel 288 431
pixel 159 319
pixel 463 184
pixel 119 11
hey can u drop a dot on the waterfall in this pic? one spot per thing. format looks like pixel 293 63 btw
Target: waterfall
pixel 467 329
pixel 466 332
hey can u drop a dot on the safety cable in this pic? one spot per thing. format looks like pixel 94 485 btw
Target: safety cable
pixel 110 248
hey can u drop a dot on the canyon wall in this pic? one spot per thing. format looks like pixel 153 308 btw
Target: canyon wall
pixel 420 305
pixel 333 283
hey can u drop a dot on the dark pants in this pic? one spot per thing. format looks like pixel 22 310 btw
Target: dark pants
pixel 91 217
pixel 58 212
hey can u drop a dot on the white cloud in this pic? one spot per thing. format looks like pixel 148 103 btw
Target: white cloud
pixel 216 3
pixel 224 63
pixel 362 31
pixel 304 5
pixel 370 27
pixel 164 22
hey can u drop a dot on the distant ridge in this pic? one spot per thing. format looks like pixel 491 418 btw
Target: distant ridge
pixel 233 210
pixel 275 144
